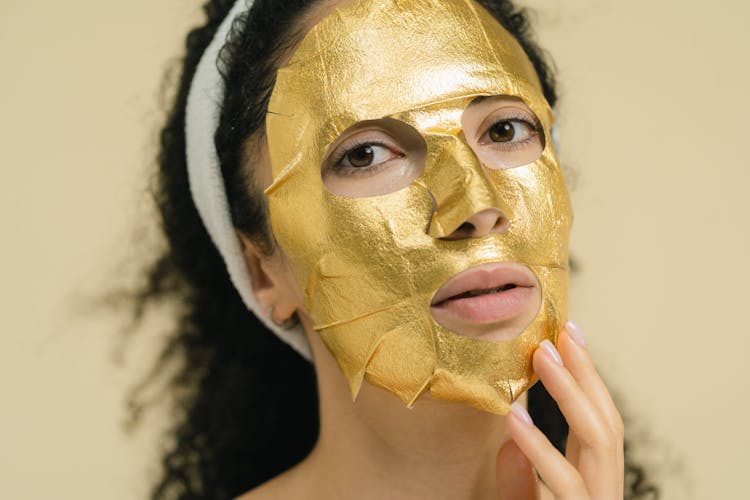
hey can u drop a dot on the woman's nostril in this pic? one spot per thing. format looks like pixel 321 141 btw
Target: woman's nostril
pixel 488 221
pixel 466 227
pixel 481 224
pixel 501 225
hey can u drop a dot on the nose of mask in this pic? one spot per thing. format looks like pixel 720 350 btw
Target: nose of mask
pixel 459 184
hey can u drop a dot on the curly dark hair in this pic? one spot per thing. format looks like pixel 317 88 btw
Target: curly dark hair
pixel 245 403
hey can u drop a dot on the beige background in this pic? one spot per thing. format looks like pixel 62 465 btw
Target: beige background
pixel 653 119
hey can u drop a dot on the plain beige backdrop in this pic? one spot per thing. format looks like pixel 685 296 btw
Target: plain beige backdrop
pixel 654 119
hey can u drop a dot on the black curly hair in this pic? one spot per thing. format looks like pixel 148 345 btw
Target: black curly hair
pixel 233 428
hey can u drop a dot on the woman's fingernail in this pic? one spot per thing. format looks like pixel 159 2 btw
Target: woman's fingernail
pixel 520 412
pixel 575 333
pixel 550 349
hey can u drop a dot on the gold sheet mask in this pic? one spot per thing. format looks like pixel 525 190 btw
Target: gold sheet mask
pixel 369 266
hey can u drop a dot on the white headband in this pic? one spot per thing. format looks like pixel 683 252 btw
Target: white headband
pixel 207 184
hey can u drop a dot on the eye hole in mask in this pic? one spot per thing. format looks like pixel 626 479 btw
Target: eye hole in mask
pixel 374 157
pixel 503 132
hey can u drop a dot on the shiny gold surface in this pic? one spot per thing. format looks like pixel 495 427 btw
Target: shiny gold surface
pixel 369 267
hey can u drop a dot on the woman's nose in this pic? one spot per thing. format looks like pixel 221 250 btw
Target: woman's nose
pixel 482 223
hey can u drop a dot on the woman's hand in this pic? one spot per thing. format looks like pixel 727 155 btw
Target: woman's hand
pixel 593 466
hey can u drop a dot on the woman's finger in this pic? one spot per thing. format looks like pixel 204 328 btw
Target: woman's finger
pixel 599 443
pixel 577 360
pixel 583 417
pixel 516 478
pixel 557 473
pixel 573 449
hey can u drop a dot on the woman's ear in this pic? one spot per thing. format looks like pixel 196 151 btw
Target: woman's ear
pixel 270 280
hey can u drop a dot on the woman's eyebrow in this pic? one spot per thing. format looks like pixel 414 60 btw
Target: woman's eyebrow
pixel 479 99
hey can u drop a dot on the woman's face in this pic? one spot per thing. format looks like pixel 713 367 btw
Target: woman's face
pixel 418 199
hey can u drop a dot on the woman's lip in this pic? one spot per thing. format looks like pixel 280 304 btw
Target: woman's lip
pixel 485 277
pixel 451 308
pixel 485 309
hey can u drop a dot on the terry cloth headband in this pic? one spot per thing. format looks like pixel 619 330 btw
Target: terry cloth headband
pixel 207 184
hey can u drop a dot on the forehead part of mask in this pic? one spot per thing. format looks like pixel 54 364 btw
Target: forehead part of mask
pixel 369 267
pixel 353 66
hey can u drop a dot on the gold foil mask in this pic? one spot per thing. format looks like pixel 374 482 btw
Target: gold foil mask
pixel 369 266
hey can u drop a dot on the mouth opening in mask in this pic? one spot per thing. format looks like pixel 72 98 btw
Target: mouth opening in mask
pixel 493 302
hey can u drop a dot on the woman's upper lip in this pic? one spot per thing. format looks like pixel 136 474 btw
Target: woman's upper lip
pixel 484 277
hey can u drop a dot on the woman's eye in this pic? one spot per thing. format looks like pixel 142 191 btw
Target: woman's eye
pixel 511 131
pixel 372 158
pixel 510 140
pixel 367 155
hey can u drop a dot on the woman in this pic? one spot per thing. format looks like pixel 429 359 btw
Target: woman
pixel 349 123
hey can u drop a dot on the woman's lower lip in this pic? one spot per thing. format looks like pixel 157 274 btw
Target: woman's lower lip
pixel 486 308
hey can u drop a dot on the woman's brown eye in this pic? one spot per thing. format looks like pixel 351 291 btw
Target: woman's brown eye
pixel 362 156
pixel 502 132
pixel 367 156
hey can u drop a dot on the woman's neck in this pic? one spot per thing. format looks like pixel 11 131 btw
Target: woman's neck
pixel 378 448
